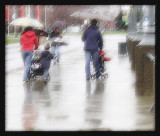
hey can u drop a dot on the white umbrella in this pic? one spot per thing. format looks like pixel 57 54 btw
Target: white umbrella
pixel 26 21
pixel 91 14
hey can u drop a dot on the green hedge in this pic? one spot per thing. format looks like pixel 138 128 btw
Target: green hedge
pixel 13 40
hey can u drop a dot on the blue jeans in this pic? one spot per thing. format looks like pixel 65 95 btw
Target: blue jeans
pixel 94 54
pixel 26 57
pixel 56 49
pixel 46 73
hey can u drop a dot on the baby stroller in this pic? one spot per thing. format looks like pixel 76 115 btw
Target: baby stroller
pixel 101 60
pixel 36 69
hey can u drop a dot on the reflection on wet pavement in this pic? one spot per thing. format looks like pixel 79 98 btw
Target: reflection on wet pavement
pixel 94 104
pixel 69 102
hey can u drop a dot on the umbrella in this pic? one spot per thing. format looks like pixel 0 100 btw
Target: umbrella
pixel 26 21
pixel 91 14
pixel 40 32
pixel 56 41
pixel 57 24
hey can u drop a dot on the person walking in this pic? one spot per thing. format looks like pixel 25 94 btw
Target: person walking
pixel 55 49
pixel 29 43
pixel 93 42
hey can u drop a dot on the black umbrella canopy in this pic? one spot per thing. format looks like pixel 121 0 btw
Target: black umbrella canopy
pixel 57 24
pixel 40 32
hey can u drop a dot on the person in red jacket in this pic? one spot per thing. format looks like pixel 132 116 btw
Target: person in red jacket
pixel 29 43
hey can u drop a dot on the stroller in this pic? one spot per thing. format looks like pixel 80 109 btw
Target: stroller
pixel 101 61
pixel 36 70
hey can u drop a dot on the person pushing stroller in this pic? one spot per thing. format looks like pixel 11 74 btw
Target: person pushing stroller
pixel 93 42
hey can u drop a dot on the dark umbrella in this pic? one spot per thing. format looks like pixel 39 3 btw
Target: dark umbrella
pixel 57 24
pixel 40 32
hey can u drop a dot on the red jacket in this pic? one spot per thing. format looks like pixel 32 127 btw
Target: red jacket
pixel 28 41
pixel 104 58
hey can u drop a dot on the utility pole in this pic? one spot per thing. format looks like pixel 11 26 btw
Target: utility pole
pixel 45 17
pixel 14 18
pixel 29 15
pixel 26 10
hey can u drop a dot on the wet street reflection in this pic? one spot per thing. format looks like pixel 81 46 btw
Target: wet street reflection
pixel 29 112
pixel 36 95
pixel 69 102
pixel 94 104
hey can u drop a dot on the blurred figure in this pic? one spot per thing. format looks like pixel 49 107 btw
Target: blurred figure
pixel 29 43
pixel 42 38
pixel 93 43
pixel 45 60
pixel 55 48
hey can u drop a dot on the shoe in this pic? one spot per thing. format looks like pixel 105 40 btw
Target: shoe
pixel 57 61
pixel 88 78
pixel 98 78
pixel 45 80
pixel 54 62
pixel 104 75
pixel 26 80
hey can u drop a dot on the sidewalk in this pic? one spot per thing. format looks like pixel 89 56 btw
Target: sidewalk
pixel 69 102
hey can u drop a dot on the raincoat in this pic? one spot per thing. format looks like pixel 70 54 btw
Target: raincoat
pixel 92 38
pixel 28 41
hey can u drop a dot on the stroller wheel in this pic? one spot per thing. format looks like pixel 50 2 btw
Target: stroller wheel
pixel 104 76
pixel 93 76
pixel 31 79
pixel 34 78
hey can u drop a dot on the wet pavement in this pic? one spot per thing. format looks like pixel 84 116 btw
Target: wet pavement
pixel 69 102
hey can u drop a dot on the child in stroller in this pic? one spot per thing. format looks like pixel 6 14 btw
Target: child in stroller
pixel 101 60
pixel 41 64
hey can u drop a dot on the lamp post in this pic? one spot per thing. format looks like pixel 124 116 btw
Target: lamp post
pixel 14 17
pixel 45 17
